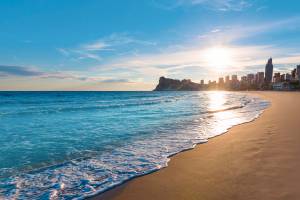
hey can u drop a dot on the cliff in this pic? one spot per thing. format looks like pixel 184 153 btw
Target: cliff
pixel 167 84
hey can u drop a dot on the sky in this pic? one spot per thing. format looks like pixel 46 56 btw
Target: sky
pixel 129 44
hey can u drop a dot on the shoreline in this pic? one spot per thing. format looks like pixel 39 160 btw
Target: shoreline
pixel 100 193
pixel 163 162
pixel 140 186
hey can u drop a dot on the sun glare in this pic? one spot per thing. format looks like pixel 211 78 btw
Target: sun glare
pixel 216 100
pixel 218 57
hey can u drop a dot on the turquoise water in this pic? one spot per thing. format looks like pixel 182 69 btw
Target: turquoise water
pixel 70 145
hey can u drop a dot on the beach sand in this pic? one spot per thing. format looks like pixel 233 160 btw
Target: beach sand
pixel 256 160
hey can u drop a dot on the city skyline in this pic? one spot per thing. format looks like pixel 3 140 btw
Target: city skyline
pixel 261 77
pixel 261 80
pixel 112 45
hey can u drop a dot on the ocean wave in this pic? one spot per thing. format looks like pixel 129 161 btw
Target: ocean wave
pixel 55 109
pixel 143 154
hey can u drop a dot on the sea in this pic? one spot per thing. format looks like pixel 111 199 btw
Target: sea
pixel 73 145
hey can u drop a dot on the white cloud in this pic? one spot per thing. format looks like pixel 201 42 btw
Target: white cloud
pixel 82 54
pixel 187 59
pixel 215 30
pixel 96 46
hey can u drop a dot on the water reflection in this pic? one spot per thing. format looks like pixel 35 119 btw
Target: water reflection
pixel 216 101
pixel 224 115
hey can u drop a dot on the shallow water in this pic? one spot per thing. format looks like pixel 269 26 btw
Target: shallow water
pixel 70 145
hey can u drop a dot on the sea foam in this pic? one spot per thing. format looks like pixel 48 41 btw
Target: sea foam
pixel 75 145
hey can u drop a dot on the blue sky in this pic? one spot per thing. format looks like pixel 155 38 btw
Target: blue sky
pixel 128 45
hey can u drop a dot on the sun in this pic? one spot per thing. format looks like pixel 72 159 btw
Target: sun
pixel 218 57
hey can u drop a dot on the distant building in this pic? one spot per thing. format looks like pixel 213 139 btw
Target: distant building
pixel 244 79
pixel 234 78
pixel 258 81
pixel 221 81
pixel 269 71
pixel 227 79
pixel 288 77
pixel 298 72
pixel 244 83
pixel 277 77
pixel 234 84
pixel 251 78
pixel 212 85
pixel 252 81
pixel 282 78
pixel 293 72
pixel 260 77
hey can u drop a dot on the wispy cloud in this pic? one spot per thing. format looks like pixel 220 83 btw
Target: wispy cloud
pixel 181 58
pixel 6 70
pixel 116 81
pixel 21 71
pixel 228 34
pixel 63 51
pixel 217 5
pixel 96 46
pixel 215 30
pixel 79 54
pixel 93 50
pixel 186 58
pixel 119 39
pixel 83 54
pixel 261 8
pixel 192 64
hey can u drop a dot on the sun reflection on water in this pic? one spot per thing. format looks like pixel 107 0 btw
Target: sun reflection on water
pixel 216 101
pixel 223 116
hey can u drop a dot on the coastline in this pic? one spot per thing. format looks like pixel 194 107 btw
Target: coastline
pixel 233 165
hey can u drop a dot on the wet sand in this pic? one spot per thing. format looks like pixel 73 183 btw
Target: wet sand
pixel 256 160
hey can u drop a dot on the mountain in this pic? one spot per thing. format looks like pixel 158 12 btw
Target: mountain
pixel 167 84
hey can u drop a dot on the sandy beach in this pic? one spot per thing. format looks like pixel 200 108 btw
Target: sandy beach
pixel 256 160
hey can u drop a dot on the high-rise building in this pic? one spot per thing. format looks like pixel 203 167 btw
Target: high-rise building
pixel 250 78
pixel 293 72
pixel 260 77
pixel 288 77
pixel 244 79
pixel 277 77
pixel 234 84
pixel 269 71
pixel 227 79
pixel 298 72
pixel 202 82
pixel 282 77
pixel 221 81
pixel 234 78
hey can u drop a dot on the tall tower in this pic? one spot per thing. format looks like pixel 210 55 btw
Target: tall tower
pixel 298 72
pixel 269 71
